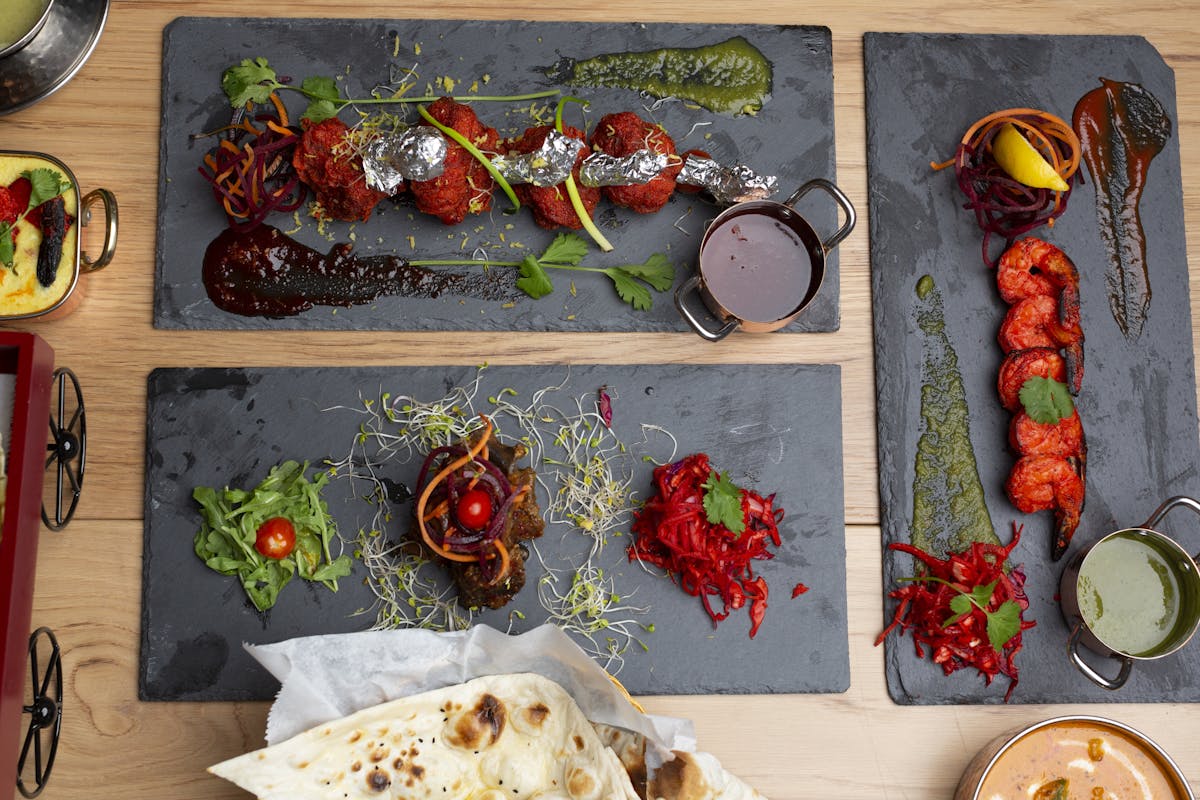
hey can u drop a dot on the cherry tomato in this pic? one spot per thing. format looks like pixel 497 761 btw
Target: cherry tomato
pixel 474 509
pixel 276 538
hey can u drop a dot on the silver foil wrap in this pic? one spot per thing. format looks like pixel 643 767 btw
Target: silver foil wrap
pixel 732 184
pixel 601 169
pixel 416 154
pixel 549 165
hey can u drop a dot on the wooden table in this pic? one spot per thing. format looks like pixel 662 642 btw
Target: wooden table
pixel 854 745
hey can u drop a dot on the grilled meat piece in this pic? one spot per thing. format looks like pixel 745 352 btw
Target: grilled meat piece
pixel 465 186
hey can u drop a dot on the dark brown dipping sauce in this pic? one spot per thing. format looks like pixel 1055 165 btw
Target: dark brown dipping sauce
pixel 1121 128
pixel 756 267
pixel 266 273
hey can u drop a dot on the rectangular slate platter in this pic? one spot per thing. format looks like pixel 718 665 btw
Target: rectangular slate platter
pixel 1138 400
pixel 792 137
pixel 216 427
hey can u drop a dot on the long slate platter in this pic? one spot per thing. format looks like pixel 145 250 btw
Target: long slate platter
pixel 216 427
pixel 792 137
pixel 1138 401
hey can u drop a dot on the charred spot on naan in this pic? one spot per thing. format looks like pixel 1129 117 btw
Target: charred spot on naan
pixel 582 782
pixel 378 780
pixel 478 728
pixel 531 720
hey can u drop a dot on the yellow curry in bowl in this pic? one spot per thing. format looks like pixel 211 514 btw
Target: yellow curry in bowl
pixel 1076 758
pixel 22 291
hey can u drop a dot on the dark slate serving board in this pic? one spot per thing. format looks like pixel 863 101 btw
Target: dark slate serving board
pixel 792 137
pixel 218 427
pixel 1138 402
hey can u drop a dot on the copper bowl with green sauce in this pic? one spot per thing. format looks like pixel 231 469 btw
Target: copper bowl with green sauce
pixel 1132 596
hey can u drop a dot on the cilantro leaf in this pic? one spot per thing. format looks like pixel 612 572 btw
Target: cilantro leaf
pixel 567 248
pixel 658 271
pixel 629 289
pixel 7 251
pixel 534 281
pixel 319 111
pixel 321 88
pixel 325 98
pixel 982 595
pixel 252 81
pixel 960 604
pixel 45 183
pixel 1003 624
pixel 723 502
pixel 1046 400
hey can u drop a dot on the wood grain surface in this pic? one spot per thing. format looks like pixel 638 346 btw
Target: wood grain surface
pixel 104 124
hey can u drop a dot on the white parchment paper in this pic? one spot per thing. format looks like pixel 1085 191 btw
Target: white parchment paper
pixel 328 677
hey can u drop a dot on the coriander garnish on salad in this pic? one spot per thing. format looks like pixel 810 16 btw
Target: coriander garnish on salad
pixel 266 535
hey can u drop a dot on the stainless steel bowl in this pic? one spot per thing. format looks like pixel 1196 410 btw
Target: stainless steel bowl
pixel 970 785
pixel 53 54
pixel 27 37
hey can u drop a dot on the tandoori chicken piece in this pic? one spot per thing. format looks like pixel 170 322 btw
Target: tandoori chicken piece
pixel 625 133
pixel 465 186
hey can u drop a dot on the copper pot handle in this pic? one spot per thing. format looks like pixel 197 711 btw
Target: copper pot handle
pixel 1161 511
pixel 1091 674
pixel 689 287
pixel 109 248
pixel 839 198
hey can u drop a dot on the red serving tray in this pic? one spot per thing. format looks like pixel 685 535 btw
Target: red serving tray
pixel 32 360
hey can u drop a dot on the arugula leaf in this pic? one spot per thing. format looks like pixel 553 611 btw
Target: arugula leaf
pixel 1046 400
pixel 723 502
pixel 534 281
pixel 567 248
pixel 252 81
pixel 46 183
pixel 7 251
pixel 629 289
pixel 658 271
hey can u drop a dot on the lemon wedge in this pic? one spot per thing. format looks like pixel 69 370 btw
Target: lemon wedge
pixel 1023 162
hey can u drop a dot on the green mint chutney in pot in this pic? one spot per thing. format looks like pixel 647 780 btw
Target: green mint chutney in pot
pixel 1134 595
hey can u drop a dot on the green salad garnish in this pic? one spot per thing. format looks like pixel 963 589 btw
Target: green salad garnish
pixel 233 537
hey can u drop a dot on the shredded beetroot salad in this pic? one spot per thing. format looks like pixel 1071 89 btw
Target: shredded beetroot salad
pixel 930 607
pixel 675 530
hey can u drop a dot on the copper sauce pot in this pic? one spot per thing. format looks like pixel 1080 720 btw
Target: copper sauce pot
pixel 761 264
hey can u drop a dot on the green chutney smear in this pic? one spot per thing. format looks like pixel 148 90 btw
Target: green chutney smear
pixel 949 510
pixel 732 77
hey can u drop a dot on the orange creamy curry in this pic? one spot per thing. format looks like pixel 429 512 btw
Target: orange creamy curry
pixel 1078 760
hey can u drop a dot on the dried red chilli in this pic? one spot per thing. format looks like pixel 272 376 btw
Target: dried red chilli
pixel 251 172
pixel 705 559
pixel 924 609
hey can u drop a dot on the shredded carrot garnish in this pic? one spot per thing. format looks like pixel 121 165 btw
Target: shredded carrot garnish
pixel 501 551
pixel 461 461
pixel 1001 204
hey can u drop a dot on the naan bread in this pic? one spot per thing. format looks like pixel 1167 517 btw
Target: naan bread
pixel 630 747
pixel 688 776
pixel 697 776
pixel 500 737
